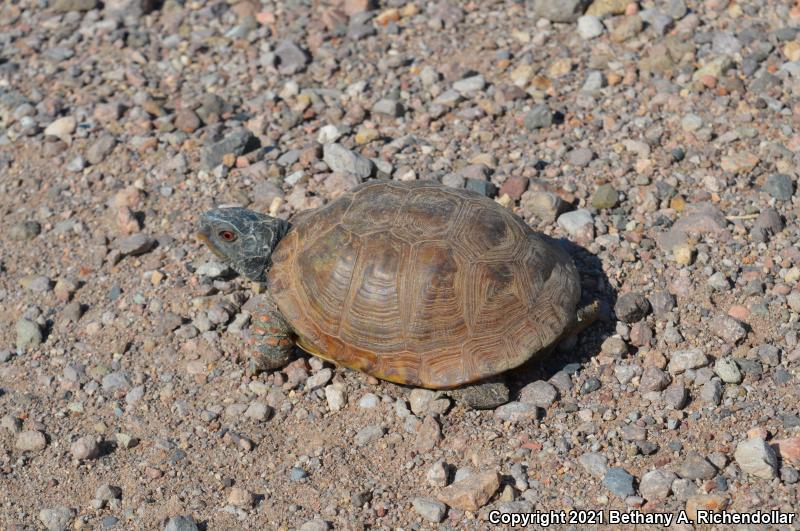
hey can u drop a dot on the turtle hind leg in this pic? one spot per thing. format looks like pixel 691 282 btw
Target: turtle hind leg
pixel 271 340
pixel 486 394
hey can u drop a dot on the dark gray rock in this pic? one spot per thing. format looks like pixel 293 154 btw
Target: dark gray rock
pixel 711 392
pixel 695 466
pixel 780 186
pixel 181 523
pixel 676 396
pixel 591 385
pixel 631 307
pixel 236 143
pixel 538 117
pixel 789 475
pixel 768 224
pixel 619 482
pixel 483 187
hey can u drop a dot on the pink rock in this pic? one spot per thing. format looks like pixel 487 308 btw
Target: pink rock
pixel 126 221
pixel 739 312
pixel 706 502
pixel 514 186
pixel 128 197
pixel 757 433
pixel 788 449
pixel 353 7
pixel 472 492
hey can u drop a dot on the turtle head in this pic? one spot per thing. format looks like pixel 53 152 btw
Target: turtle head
pixel 244 239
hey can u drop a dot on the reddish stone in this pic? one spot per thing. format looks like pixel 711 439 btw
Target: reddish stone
pixel 126 221
pixel 514 186
pixel 641 334
pixel 353 7
pixel 655 359
pixel 788 449
pixel 266 17
pixel 390 15
pixel 739 312
pixel 781 289
pixel 472 492
pixel 709 81
pixel 706 502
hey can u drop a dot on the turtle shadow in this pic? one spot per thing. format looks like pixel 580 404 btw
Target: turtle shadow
pixel 573 351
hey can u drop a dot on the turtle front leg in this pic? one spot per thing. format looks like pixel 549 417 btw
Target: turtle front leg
pixel 487 394
pixel 271 338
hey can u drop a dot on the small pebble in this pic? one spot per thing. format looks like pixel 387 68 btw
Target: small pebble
pixel 85 448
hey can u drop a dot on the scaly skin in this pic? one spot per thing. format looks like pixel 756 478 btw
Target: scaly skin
pixel 271 340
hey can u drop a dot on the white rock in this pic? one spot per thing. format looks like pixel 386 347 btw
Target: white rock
pixel 369 401
pixel 328 134
pixel 339 158
pixel 437 474
pixel 420 399
pixel 683 360
pixel 590 27
pixel 757 458
pixel 469 84
pixel 57 518
pixel 728 371
pixel 257 411
pixel 319 379
pixel 335 396
pixel 574 221
pixel 62 128
pixel 594 463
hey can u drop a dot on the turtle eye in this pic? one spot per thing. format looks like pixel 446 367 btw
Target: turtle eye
pixel 227 235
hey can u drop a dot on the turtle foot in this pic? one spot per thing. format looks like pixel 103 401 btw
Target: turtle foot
pixel 487 394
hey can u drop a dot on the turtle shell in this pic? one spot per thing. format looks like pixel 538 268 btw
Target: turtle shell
pixel 422 284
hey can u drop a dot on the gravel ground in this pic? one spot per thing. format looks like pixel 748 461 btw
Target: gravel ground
pixel 661 139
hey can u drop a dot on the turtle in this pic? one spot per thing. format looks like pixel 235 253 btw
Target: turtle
pixel 416 283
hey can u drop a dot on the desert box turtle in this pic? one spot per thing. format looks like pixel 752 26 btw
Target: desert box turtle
pixel 414 283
